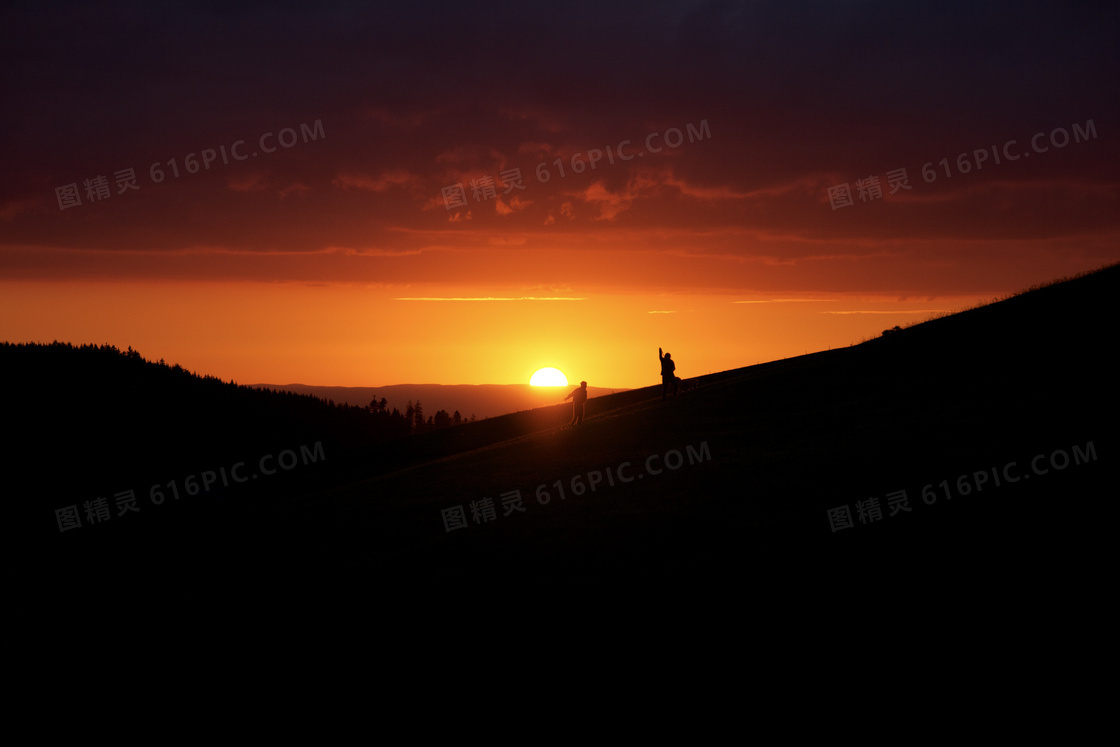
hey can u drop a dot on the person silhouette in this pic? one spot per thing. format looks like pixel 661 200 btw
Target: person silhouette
pixel 668 377
pixel 578 398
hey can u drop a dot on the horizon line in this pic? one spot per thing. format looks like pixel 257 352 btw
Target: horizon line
pixel 383 386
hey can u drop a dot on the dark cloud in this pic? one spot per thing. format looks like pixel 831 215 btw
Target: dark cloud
pixel 415 97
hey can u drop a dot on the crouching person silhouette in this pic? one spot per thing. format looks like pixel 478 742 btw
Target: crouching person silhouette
pixel 578 398
pixel 668 377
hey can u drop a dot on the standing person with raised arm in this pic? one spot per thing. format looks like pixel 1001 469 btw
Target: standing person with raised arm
pixel 668 377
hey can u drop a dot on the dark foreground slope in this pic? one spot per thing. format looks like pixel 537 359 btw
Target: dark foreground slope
pixel 971 450
pixel 975 452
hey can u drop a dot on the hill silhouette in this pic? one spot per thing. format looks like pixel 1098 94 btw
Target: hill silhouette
pixel 479 400
pixel 965 451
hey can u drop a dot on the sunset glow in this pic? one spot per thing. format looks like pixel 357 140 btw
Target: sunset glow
pixel 449 198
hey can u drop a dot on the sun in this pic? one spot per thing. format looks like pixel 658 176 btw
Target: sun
pixel 549 377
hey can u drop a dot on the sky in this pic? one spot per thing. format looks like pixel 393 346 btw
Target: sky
pixel 367 194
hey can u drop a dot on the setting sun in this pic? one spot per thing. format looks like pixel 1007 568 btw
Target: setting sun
pixel 549 377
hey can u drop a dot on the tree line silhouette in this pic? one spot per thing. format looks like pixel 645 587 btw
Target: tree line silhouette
pixel 412 421
pixel 107 369
pixel 97 418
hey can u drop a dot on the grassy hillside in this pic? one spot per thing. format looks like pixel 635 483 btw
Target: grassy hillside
pixel 999 424
pixel 934 408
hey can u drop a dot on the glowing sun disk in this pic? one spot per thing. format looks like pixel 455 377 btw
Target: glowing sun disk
pixel 549 377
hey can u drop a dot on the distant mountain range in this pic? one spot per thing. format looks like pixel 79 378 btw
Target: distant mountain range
pixel 480 400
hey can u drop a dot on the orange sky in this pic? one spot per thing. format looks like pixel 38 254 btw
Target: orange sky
pixel 352 335
pixel 273 196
